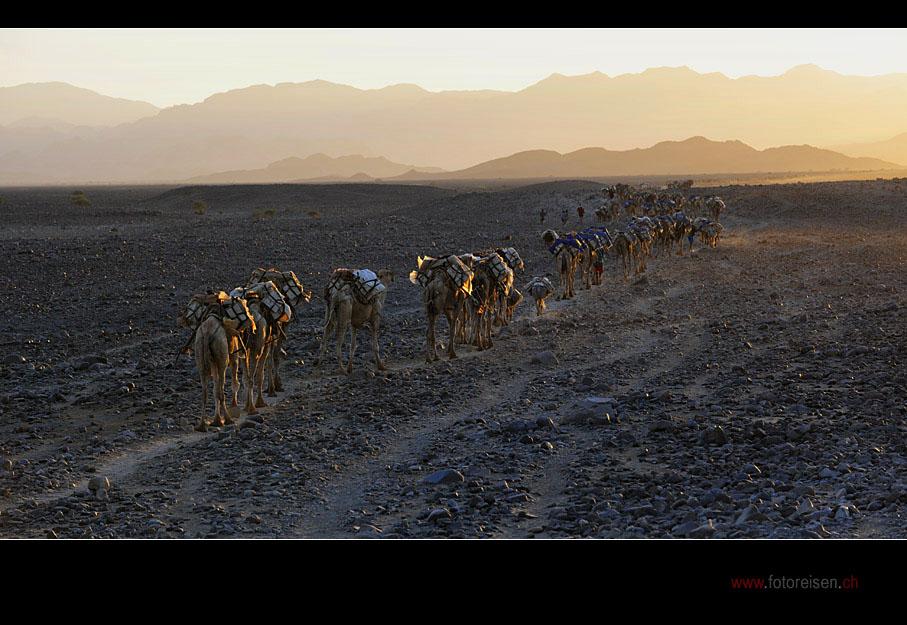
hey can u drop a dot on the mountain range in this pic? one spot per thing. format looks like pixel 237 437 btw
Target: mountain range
pixel 894 149
pixel 696 155
pixel 317 167
pixel 53 132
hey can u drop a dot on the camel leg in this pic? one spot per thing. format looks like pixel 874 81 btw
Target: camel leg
pixel 203 424
pixel 479 332
pixel 324 345
pixel 259 376
pixel 431 343
pixel 374 327
pixel 271 382
pixel 233 361
pixel 349 367
pixel 219 398
pixel 275 360
pixel 249 376
pixel 267 374
pixel 341 334
pixel 452 320
pixel 489 324
pixel 225 419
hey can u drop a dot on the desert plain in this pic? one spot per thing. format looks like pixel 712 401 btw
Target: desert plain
pixel 752 390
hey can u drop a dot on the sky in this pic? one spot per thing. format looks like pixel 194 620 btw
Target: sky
pixel 183 66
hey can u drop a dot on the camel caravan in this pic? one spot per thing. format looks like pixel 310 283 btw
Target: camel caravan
pixel 244 329
pixel 475 293
pixel 657 223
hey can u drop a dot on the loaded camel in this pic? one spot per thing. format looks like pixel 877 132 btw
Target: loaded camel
pixel 566 258
pixel 447 283
pixel 348 307
pixel 296 297
pixel 217 322
pixel 540 289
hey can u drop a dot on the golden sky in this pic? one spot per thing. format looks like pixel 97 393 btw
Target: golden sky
pixel 182 66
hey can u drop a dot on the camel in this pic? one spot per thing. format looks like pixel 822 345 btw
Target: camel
pixel 269 309
pixel 715 205
pixel 212 355
pixel 697 205
pixel 681 229
pixel 511 257
pixel 447 282
pixel 664 237
pixel 513 300
pixel 345 310
pixel 698 226
pixel 624 250
pixel 258 343
pixel 502 272
pixel 598 240
pixel 566 257
pixel 585 261
pixel 638 233
pixel 480 305
pixel 296 297
pixel 711 232
pixel 233 317
pixel 540 289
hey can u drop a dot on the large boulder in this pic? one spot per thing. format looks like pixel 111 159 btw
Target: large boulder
pixel 598 409
pixel 546 358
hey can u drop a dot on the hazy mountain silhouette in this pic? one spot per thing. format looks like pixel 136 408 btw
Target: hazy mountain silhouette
pixel 317 167
pixel 696 155
pixel 57 104
pixel 250 128
pixel 894 149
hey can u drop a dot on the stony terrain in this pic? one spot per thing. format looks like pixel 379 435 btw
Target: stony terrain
pixel 756 389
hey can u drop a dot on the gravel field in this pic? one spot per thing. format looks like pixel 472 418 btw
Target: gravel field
pixel 752 390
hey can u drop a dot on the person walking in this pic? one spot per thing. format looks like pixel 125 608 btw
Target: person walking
pixel 565 216
pixel 541 215
pixel 580 211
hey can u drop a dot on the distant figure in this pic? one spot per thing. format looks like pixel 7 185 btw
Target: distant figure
pixel 598 264
pixel 541 215
pixel 565 216
pixel 580 211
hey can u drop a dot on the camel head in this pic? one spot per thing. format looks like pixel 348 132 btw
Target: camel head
pixel 420 275
pixel 414 275
pixel 549 237
pixel 385 276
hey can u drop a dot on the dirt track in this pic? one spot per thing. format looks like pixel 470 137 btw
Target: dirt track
pixel 787 335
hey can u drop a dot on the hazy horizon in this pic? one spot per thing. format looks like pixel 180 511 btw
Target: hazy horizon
pixel 169 67
pixel 86 105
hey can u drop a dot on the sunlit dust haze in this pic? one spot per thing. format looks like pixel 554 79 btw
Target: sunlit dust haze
pixel 284 105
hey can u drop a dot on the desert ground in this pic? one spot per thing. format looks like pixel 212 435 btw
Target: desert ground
pixel 752 390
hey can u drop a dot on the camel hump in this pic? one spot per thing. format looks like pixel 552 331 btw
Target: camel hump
pixel 339 278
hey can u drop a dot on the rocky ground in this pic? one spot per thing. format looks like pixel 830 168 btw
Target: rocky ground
pixel 756 389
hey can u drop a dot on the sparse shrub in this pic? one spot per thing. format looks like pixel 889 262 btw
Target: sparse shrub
pixel 80 200
pixel 256 215
pixel 199 207
pixel 314 214
pixel 270 213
